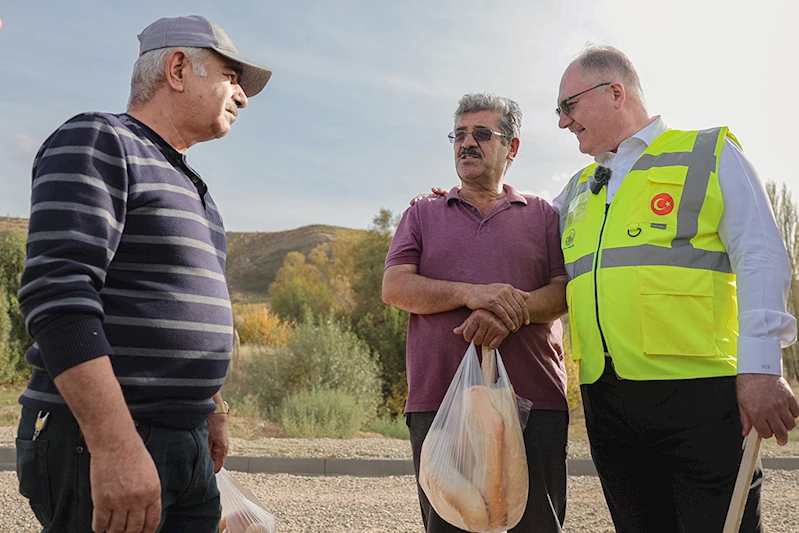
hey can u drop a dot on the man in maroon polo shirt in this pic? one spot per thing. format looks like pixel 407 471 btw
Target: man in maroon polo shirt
pixel 484 264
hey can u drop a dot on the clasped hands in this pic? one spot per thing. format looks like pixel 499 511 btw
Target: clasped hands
pixel 497 310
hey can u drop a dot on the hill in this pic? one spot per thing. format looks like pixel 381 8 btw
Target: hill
pixel 253 258
pixel 9 224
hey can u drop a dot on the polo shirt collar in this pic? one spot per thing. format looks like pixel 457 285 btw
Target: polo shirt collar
pixel 511 195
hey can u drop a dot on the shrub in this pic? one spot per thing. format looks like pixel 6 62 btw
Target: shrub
pixel 256 325
pixel 321 413
pixel 396 428
pixel 323 353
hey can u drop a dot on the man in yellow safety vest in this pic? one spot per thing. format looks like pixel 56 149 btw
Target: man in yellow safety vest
pixel 677 291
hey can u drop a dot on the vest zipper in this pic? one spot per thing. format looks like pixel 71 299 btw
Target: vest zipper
pixel 596 289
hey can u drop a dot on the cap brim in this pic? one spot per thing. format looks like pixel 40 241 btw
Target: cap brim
pixel 253 76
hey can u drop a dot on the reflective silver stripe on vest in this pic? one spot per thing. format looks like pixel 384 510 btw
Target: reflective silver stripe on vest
pixel 701 162
pixel 651 255
pixel 581 266
pixel 571 193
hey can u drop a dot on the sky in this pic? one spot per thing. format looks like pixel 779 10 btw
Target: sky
pixel 363 93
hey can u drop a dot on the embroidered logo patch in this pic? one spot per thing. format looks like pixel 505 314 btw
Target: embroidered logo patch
pixel 569 239
pixel 662 204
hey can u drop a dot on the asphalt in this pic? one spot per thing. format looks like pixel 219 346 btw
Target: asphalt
pixel 306 466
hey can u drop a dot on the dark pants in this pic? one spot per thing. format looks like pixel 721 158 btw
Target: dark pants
pixel 668 453
pixel 545 439
pixel 53 474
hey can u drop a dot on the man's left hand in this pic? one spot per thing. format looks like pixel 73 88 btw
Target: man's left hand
pixel 767 403
pixel 484 328
pixel 218 440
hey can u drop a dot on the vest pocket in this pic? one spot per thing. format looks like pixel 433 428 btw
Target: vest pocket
pixel 677 311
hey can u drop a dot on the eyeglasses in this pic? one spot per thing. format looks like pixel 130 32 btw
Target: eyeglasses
pixel 564 104
pixel 478 134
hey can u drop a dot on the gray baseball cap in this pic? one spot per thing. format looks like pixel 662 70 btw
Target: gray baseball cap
pixel 199 32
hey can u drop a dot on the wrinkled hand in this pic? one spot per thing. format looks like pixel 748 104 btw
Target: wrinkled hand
pixel 503 300
pixel 437 192
pixel 218 443
pixel 126 489
pixel 767 403
pixel 483 328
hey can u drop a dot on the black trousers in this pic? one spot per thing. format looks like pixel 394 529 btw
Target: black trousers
pixel 668 453
pixel 545 440
pixel 53 474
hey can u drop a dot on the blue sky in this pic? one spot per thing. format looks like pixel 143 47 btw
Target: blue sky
pixel 356 114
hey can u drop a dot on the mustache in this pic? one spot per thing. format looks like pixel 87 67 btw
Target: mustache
pixel 470 150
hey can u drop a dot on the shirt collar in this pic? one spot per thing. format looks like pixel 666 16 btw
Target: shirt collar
pixel 646 135
pixel 511 195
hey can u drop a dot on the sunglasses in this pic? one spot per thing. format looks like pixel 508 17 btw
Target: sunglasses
pixel 478 134
pixel 564 106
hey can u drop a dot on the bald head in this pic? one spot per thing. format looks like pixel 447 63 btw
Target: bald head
pixel 599 64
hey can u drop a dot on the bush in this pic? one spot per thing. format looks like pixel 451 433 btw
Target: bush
pixel 396 428
pixel 14 338
pixel 256 325
pixel 321 413
pixel 322 354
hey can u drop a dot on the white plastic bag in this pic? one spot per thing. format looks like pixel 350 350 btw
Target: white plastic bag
pixel 242 511
pixel 473 466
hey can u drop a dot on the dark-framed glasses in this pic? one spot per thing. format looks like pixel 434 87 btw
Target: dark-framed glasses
pixel 478 134
pixel 564 106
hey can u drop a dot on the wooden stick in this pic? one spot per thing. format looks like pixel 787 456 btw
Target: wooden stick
pixel 742 483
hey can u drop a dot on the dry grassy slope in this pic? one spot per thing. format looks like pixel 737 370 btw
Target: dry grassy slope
pixel 253 258
pixel 8 224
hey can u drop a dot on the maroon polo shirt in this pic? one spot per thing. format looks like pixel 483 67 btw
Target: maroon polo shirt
pixel 517 242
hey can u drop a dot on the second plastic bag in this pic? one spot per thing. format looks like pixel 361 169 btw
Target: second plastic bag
pixel 242 511
pixel 473 465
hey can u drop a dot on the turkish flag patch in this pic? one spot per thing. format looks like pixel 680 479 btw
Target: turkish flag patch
pixel 662 204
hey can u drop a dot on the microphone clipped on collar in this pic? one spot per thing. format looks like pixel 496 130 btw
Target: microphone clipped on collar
pixel 600 178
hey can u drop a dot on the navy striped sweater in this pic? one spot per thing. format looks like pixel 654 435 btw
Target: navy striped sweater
pixel 125 257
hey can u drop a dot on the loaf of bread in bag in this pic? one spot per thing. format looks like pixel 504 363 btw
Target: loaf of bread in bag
pixel 486 430
pixel 456 499
pixel 514 455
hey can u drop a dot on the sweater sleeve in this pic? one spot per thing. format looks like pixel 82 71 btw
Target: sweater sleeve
pixel 78 205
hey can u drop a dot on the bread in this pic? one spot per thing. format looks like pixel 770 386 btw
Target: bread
pixel 514 456
pixel 456 499
pixel 486 430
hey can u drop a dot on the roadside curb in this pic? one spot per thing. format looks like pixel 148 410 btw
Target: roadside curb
pixel 309 466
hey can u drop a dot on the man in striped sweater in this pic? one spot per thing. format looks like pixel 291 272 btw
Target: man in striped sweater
pixel 124 293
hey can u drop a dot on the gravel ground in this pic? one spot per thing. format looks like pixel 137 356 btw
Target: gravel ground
pixel 382 505
pixel 389 504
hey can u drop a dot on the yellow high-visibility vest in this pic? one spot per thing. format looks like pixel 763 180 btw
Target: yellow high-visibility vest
pixel 650 282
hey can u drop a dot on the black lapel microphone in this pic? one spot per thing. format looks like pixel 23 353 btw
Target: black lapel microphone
pixel 600 178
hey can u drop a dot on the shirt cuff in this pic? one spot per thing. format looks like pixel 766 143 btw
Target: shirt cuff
pixel 72 344
pixel 759 356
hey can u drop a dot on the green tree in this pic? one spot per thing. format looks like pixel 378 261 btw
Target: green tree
pixel 787 217
pixel 12 256
pixel 383 327
pixel 299 287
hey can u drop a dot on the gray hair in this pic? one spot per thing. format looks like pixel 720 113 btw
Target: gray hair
pixel 510 114
pixel 601 63
pixel 148 71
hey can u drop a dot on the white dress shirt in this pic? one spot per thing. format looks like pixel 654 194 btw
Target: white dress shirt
pixel 753 243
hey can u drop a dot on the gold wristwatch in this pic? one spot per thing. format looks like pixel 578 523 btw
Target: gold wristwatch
pixel 221 409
